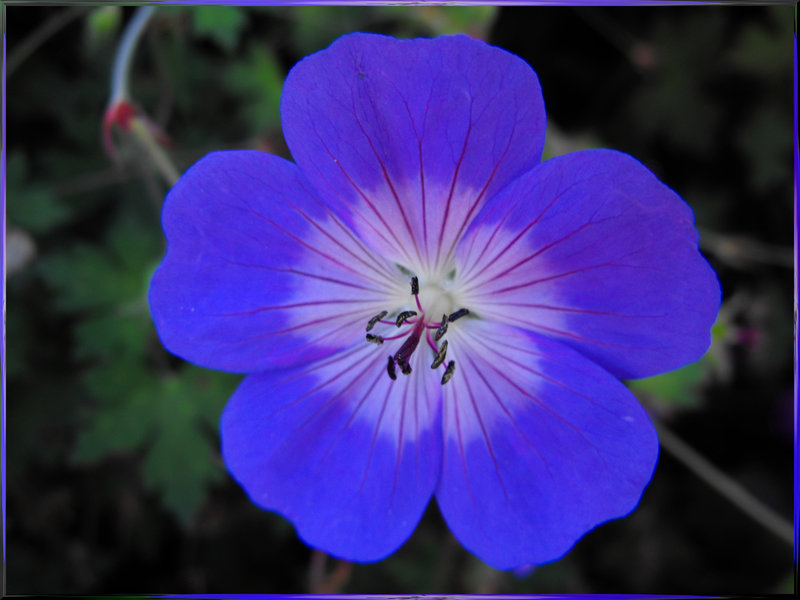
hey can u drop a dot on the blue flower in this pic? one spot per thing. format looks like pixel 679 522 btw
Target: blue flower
pixel 426 309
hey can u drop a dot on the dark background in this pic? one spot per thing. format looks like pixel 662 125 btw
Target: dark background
pixel 114 479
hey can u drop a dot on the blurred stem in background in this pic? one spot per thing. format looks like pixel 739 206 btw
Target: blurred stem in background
pixel 46 30
pixel 724 485
pixel 121 111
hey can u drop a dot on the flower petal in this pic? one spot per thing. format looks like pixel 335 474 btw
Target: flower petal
pixel 540 446
pixel 412 135
pixel 592 249
pixel 257 272
pixel 348 455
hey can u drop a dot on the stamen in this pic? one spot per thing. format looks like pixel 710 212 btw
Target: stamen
pixel 375 319
pixel 458 314
pixel 442 329
pixel 404 316
pixel 402 357
pixel 440 356
pixel 448 373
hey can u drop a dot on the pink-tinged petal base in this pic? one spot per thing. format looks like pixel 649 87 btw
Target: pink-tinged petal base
pixel 540 446
pixel 350 457
pixel 590 248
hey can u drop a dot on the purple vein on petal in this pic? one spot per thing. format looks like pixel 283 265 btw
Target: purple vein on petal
pixel 453 185
pixel 353 415
pixel 303 325
pixel 390 184
pixel 386 274
pixel 539 252
pixel 516 238
pixel 545 279
pixel 316 250
pixel 474 264
pixel 424 204
pixel 295 238
pixel 400 441
pixel 311 342
pixel 510 417
pixel 538 326
pixel 495 344
pixel 545 407
pixel 375 435
pixel 454 404
pixel 310 220
pixel 325 383
pixel 368 202
pixel 569 309
pixel 283 306
pixel 468 217
pixel 486 438
pixel 304 274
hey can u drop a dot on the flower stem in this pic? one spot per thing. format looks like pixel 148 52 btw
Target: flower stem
pixel 44 32
pixel 159 158
pixel 123 113
pixel 724 485
pixel 122 62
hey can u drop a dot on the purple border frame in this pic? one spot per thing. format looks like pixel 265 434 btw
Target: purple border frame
pixel 244 3
pixel 796 332
pixel 3 275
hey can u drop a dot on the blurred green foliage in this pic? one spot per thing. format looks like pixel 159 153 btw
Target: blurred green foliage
pixel 114 466
pixel 257 81
pixel 36 207
pixel 223 24
pixel 103 22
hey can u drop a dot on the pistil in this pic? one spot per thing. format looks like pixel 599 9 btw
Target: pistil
pixel 419 325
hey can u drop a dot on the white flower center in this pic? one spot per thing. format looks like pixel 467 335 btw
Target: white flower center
pixel 423 314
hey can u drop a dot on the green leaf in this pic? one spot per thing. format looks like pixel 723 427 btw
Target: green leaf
pixel 124 417
pixel 764 50
pixel 222 24
pixel 83 277
pixel 169 418
pixel 31 206
pixel 258 80
pixel 679 387
pixel 114 337
pixel 91 277
pixel 182 462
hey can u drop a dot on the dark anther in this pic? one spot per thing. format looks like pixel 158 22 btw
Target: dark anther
pixel 440 356
pixel 448 372
pixel 414 286
pixel 442 329
pixel 405 368
pixel 458 314
pixel 390 369
pixel 375 339
pixel 375 319
pixel 404 316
